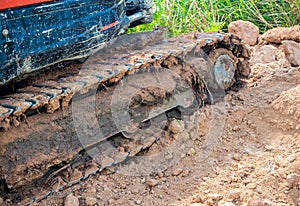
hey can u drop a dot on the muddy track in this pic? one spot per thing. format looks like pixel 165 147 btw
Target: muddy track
pixel 40 147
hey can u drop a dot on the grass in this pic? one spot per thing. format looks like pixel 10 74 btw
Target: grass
pixel 182 16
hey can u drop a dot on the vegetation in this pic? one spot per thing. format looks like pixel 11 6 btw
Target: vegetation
pixel 182 16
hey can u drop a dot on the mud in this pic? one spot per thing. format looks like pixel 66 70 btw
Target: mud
pixel 254 160
pixel 243 151
pixel 37 152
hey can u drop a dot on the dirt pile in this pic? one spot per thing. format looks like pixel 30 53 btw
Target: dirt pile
pixel 288 39
pixel 275 52
pixel 288 103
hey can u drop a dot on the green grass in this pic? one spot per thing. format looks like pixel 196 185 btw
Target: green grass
pixel 182 16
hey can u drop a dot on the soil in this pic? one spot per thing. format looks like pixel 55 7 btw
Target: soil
pixel 246 152
pixel 277 35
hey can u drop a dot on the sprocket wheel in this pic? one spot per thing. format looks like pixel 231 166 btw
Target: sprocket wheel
pixel 223 67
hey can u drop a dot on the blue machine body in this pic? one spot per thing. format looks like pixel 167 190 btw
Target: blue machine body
pixel 40 35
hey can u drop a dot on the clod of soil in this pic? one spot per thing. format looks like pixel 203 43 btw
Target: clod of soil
pixel 277 35
pixel 246 30
pixel 292 52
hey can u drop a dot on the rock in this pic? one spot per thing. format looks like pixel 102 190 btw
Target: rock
pixel 268 203
pixel 291 50
pixel 8 202
pixel 138 202
pixel 177 171
pixel 234 194
pixel 143 180
pixel 293 180
pixel 71 200
pixel 277 35
pixel 176 126
pixel 281 162
pixel 281 59
pixel 269 147
pixel 152 182
pixel 191 152
pixel 254 202
pixel 251 186
pixel 215 197
pixel 292 158
pixel 90 201
pixel 246 30
pixel 260 202
pixel 135 190
pixel 265 54
pixel 160 174
pixel 1 201
pixel 210 202
pixel 197 204
pixel 111 201
pixel 235 128
pixel 227 204
pixel 228 98
pixel 237 157
pixel 185 173
pixel 197 199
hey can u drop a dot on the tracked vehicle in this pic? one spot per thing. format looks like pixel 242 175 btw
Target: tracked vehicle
pixel 47 32
pixel 57 123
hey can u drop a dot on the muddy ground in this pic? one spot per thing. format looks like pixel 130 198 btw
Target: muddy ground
pixel 247 152
pixel 255 159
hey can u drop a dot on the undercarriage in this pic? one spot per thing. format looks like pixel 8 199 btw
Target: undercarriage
pixel 63 126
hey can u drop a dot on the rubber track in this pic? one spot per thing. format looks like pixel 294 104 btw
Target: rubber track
pixel 56 94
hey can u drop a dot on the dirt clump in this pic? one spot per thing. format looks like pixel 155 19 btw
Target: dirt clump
pixel 71 200
pixel 292 52
pixel 266 60
pixel 246 30
pixel 288 103
pixel 264 55
pixel 277 35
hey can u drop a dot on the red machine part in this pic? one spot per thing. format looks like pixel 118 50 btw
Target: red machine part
pixel 8 4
